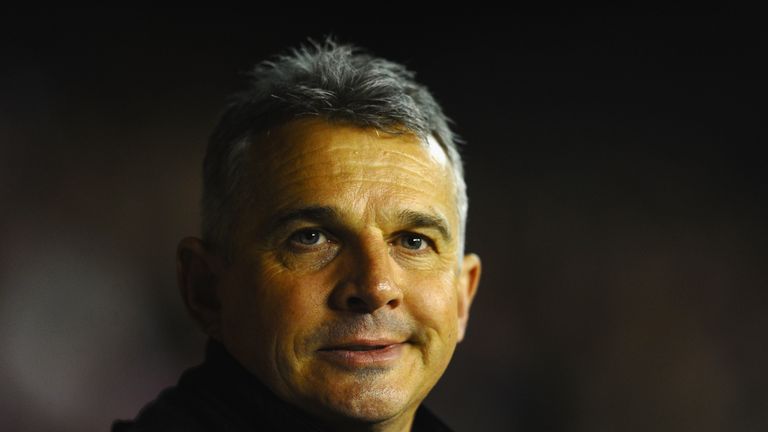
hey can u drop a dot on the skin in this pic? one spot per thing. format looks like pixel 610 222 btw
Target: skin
pixel 350 237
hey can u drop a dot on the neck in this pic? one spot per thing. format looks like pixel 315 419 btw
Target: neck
pixel 401 423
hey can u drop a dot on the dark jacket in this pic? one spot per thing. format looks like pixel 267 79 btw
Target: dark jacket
pixel 220 395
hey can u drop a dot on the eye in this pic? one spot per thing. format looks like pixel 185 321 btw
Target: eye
pixel 413 242
pixel 308 249
pixel 308 237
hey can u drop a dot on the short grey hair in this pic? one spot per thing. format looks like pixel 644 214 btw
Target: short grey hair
pixel 336 82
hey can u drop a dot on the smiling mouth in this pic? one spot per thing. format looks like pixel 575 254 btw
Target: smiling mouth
pixel 367 354
pixel 356 348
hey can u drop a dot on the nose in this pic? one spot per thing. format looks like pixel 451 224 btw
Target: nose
pixel 369 282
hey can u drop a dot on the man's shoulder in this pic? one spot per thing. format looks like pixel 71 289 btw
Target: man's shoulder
pixel 215 396
pixel 426 421
pixel 191 405
pixel 173 410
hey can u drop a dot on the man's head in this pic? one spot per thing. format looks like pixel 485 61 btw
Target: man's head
pixel 332 262
pixel 334 82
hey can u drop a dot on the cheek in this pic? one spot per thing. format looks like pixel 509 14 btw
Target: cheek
pixel 290 305
pixel 251 303
pixel 433 302
pixel 265 315
pixel 244 321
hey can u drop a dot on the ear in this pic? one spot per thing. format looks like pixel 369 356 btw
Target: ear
pixel 469 277
pixel 198 273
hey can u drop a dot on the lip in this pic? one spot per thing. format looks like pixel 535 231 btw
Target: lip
pixel 364 353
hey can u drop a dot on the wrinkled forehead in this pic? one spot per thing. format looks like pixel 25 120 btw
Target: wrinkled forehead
pixel 369 177
pixel 286 146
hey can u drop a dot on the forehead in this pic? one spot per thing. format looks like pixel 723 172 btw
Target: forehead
pixel 314 160
pixel 293 140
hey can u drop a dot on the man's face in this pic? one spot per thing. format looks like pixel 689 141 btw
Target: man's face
pixel 345 295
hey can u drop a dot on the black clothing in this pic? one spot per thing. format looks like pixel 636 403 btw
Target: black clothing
pixel 220 395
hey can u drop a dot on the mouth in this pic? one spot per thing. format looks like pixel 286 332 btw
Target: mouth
pixel 364 353
pixel 356 348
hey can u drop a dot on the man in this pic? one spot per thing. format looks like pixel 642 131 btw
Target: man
pixel 330 276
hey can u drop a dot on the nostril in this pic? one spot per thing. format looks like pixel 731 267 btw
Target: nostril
pixel 355 302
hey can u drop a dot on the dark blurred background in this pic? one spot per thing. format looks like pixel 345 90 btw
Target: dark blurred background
pixel 617 180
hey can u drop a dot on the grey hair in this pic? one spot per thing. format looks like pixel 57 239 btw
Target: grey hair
pixel 337 82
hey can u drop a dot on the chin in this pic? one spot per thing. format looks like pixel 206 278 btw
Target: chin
pixel 369 405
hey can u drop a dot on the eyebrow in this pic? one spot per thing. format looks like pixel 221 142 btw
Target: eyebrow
pixel 320 214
